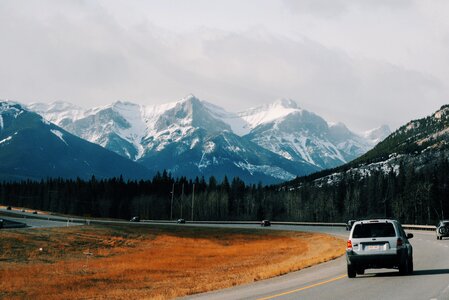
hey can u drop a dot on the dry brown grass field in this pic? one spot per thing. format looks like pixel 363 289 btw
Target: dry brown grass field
pixel 149 262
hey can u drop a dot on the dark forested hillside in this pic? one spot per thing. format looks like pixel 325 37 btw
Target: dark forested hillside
pixel 414 137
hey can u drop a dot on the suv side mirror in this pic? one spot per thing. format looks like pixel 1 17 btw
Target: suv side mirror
pixel 409 235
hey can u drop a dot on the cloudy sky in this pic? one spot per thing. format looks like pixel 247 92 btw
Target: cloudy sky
pixel 364 63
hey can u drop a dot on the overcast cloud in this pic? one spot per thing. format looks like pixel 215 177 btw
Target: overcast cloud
pixel 364 63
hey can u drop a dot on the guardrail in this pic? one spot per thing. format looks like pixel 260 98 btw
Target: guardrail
pixel 405 226
pixel 419 227
pixel 251 223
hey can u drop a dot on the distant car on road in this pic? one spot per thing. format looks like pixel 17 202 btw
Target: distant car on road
pixel 8 208
pixel 349 224
pixel 442 229
pixel 265 223
pixel 380 243
pixel 34 212
pixel 135 219
pixel 180 221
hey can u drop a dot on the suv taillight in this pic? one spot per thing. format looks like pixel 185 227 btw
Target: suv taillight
pixel 349 245
pixel 400 243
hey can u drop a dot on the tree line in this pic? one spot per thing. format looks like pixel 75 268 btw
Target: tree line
pixel 410 194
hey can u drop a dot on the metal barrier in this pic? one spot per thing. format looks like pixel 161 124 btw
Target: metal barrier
pixel 405 226
pixel 419 227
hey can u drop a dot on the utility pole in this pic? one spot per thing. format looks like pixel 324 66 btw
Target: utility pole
pixel 193 199
pixel 182 198
pixel 171 202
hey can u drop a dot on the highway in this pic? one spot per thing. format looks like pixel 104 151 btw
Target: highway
pixel 328 280
pixel 35 221
pixel 430 279
pixel 40 223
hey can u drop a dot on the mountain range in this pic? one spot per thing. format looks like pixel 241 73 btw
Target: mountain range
pixel 418 145
pixel 191 137
pixel 33 148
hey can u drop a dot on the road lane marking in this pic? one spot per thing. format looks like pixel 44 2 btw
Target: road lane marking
pixel 304 288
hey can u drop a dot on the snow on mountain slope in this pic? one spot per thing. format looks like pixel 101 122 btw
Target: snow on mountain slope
pixel 177 121
pixel 118 127
pixel 199 153
pixel 58 112
pixel 295 133
pixel 269 112
pixel 238 125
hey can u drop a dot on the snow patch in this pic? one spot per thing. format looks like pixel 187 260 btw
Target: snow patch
pixel 273 171
pixel 209 147
pixel 59 134
pixel 364 171
pixel 6 139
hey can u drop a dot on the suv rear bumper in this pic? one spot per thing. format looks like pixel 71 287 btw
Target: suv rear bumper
pixel 374 261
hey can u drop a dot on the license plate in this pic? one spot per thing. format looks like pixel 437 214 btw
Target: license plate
pixel 373 247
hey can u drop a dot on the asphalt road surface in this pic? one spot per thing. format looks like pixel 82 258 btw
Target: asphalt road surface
pixel 34 221
pixel 40 223
pixel 430 279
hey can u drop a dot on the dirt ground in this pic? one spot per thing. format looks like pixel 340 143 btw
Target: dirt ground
pixel 147 261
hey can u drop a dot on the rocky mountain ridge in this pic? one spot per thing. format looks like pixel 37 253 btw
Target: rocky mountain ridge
pixel 297 142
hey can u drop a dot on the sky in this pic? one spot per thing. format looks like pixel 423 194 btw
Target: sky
pixel 363 63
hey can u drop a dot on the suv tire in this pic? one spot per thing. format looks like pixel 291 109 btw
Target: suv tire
pixel 410 266
pixel 351 272
pixel 404 267
pixel 443 230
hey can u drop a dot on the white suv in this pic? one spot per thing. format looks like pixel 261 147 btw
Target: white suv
pixel 375 244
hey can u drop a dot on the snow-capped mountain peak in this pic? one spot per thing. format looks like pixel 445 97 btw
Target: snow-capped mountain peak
pixel 268 113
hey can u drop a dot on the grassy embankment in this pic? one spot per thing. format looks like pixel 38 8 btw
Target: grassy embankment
pixel 157 262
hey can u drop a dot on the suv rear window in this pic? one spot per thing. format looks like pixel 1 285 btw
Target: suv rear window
pixel 373 230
